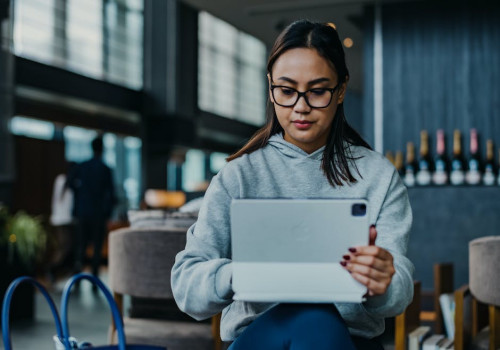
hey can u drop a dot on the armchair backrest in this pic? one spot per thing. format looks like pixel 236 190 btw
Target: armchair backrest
pixel 140 260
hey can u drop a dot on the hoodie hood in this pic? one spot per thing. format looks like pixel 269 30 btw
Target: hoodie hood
pixel 291 151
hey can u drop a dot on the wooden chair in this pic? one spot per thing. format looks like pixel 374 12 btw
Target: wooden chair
pixel 472 319
pixel 443 284
pixel 409 320
pixel 412 317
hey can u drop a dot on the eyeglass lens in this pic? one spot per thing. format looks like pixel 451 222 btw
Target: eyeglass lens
pixel 285 96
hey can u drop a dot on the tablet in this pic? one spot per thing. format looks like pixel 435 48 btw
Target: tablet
pixel 289 250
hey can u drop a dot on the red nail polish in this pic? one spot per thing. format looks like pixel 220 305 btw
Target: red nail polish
pixel 352 250
pixel 343 263
pixel 346 257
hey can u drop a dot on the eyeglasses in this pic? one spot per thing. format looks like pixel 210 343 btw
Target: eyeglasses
pixel 286 96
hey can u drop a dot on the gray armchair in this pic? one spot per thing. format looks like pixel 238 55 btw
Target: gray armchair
pixel 140 261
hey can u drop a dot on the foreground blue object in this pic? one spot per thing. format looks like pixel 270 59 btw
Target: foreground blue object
pixel 63 340
pixel 6 308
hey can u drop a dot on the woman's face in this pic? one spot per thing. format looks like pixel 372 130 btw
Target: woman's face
pixel 304 69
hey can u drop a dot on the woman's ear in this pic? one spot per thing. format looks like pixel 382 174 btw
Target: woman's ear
pixel 269 88
pixel 342 90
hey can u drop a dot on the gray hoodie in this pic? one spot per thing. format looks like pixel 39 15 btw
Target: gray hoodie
pixel 201 276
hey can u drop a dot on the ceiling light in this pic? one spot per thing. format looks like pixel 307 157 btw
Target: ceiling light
pixel 348 43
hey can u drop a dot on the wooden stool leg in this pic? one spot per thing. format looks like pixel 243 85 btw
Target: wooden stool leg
pixel 462 335
pixel 216 332
pixel 494 312
pixel 479 317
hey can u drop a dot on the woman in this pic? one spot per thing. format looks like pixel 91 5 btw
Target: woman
pixel 62 220
pixel 305 150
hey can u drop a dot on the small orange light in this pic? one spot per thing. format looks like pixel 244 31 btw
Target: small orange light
pixel 12 238
pixel 348 43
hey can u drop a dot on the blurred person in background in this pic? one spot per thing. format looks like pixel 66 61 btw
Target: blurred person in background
pixel 92 182
pixel 63 222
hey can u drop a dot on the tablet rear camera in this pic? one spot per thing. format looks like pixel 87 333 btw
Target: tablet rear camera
pixel 359 209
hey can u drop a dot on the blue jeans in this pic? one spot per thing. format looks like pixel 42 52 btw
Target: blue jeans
pixel 300 327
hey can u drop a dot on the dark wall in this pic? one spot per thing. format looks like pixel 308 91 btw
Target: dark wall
pixel 441 70
pixel 445 220
pixel 38 162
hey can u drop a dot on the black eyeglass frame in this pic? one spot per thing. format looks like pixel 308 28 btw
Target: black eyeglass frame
pixel 303 94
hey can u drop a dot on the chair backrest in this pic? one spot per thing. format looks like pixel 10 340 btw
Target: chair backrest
pixel 443 283
pixel 141 259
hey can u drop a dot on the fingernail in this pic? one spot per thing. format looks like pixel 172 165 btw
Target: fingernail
pixel 353 250
pixel 343 263
pixel 346 257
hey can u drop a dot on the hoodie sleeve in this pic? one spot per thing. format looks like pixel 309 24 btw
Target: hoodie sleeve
pixel 201 275
pixel 393 228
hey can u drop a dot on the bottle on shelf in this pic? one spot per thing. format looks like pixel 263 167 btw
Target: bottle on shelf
pixel 390 156
pixel 398 163
pixel 423 175
pixel 410 166
pixel 457 174
pixel 474 165
pixel 440 175
pixel 490 170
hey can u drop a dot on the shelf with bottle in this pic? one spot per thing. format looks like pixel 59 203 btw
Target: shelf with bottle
pixel 443 171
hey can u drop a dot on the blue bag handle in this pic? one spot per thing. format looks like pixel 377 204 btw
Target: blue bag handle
pixel 6 309
pixel 117 317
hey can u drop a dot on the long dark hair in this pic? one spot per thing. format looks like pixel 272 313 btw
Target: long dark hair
pixel 324 39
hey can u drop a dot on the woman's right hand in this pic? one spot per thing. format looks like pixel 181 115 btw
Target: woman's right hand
pixel 370 265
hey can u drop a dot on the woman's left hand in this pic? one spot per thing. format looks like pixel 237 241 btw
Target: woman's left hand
pixel 370 265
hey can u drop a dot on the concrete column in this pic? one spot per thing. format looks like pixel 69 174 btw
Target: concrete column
pixel 170 83
pixel 7 171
